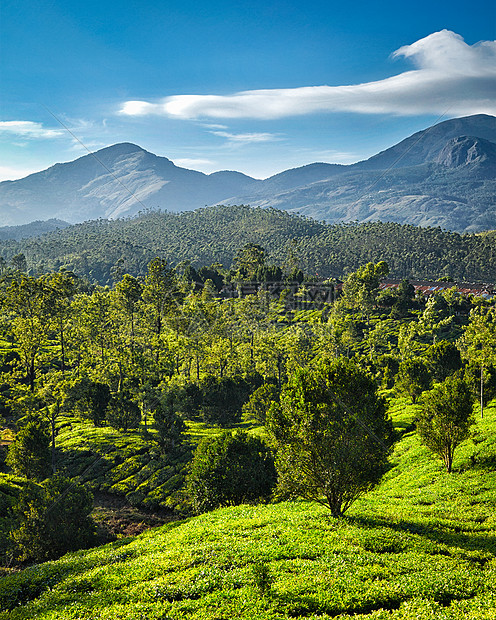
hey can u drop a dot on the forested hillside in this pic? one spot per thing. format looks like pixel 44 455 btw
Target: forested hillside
pixel 367 411
pixel 100 249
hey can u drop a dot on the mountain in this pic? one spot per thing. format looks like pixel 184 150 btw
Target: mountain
pixel 442 176
pixel 425 146
pixel 116 181
pixel 34 229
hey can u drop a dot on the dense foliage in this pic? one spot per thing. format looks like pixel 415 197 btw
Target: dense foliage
pixel 125 379
pixel 332 434
pixel 230 469
pixel 51 519
pixel 103 250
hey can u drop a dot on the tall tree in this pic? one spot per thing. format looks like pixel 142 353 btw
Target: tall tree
pixel 478 343
pixel 160 292
pixel 28 300
pixel 445 418
pixel 361 287
pixel 248 261
pixel 61 288
pixel 332 434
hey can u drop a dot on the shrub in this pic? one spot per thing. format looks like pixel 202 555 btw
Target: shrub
pixel 29 455
pixel 52 518
pixel 229 469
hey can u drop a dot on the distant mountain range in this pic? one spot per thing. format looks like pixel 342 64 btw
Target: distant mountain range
pixel 442 176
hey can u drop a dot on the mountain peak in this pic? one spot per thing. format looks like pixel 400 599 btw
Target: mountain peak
pixel 464 150
pixel 426 145
pixel 121 148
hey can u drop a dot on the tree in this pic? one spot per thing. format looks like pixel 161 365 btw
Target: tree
pixel 89 398
pixel 332 434
pixel 52 518
pixel 404 299
pixel 19 263
pixel 123 412
pixel 477 344
pixel 160 292
pixel 223 399
pixel 482 388
pixel 54 393
pixel 169 426
pixel 188 400
pixel 128 292
pixel 444 359
pixel 28 298
pixel 29 454
pixel 259 403
pixel 60 288
pixel 360 288
pixel 445 418
pixel 413 377
pixel 248 261
pixel 230 469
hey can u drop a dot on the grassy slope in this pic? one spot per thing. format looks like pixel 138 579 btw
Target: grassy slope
pixel 421 546
pixel 125 464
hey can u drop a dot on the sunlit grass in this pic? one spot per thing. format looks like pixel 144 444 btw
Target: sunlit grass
pixel 421 546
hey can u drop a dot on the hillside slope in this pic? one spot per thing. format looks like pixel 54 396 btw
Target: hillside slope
pixel 95 249
pixel 422 546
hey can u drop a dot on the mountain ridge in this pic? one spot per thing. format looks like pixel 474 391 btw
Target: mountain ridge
pixel 415 181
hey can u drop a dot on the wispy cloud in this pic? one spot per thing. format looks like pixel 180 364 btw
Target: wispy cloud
pixel 193 161
pixel 245 138
pixel 449 75
pixel 28 130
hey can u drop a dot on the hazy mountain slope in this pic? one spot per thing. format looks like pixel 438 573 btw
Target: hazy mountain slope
pixel 461 198
pixel 34 229
pixel 442 176
pixel 119 180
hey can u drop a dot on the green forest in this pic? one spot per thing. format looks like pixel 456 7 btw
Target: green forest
pixel 102 250
pixel 338 453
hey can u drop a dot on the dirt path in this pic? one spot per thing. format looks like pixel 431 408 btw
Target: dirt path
pixel 116 518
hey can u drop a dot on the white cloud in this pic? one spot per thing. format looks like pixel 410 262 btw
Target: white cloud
pixel 244 138
pixel 193 161
pixel 29 129
pixel 450 76
pixel 214 126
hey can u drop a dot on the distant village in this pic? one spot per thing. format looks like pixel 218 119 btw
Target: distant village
pixel 328 291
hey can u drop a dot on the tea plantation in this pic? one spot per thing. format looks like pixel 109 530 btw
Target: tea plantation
pixel 421 546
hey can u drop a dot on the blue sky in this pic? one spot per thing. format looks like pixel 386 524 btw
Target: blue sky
pixel 256 87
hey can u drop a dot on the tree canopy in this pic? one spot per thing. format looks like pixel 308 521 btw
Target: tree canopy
pixel 332 434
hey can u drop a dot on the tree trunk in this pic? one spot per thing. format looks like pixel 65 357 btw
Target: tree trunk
pixel 62 347
pixel 482 390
